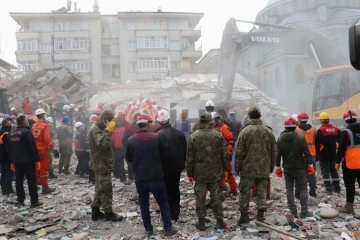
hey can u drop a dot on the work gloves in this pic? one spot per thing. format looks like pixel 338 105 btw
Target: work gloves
pixel 310 170
pixel 225 176
pixel 337 166
pixel 278 172
pixel 191 180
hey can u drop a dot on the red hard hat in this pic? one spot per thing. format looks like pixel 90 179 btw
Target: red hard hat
pixel 290 122
pixel 348 115
pixel 303 117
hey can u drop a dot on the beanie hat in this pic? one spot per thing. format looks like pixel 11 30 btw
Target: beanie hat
pixel 107 115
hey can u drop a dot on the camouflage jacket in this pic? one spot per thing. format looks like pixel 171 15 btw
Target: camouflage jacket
pixel 206 155
pixel 64 134
pixel 101 157
pixel 255 154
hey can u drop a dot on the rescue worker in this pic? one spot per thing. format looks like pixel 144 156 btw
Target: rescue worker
pixel 80 115
pixel 102 164
pixel 144 151
pixel 226 132
pixel 6 173
pixel 292 148
pixel 246 119
pixel 25 163
pixel 13 112
pixel 81 146
pixel 206 164
pixel 119 150
pixel 209 108
pixel 93 118
pixel 64 135
pixel 174 143
pixel 44 144
pixel 26 106
pixel 113 107
pixel 326 139
pixel 100 108
pixel 183 124
pixel 235 126
pixel 49 120
pixel 309 133
pixel 348 156
pixel 255 157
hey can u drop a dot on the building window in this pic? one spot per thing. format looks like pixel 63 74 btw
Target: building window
pixel 24 27
pixel 45 47
pixel 152 42
pixel 156 24
pixel 115 70
pixel 174 25
pixel 114 50
pixel 27 45
pixel 106 70
pixel 153 64
pixel 72 44
pixel 131 46
pixel 75 65
pixel 28 66
pixel 105 50
pixel 114 30
pixel 131 24
pixel 175 45
pixel 299 73
pixel 132 67
pixel 175 66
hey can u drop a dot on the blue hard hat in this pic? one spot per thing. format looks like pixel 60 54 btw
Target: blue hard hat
pixel 66 119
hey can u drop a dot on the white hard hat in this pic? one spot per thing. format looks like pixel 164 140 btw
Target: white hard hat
pixel 72 105
pixel 41 101
pixel 13 109
pixel 209 103
pixel 39 111
pixel 66 107
pixel 49 119
pixel 163 116
pixel 78 124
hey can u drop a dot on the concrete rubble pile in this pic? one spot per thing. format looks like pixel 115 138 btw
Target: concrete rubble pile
pixel 57 82
pixel 66 215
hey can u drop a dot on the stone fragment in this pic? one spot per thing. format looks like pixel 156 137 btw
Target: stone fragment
pixel 327 212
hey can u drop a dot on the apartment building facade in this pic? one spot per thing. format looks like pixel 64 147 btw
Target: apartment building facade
pixel 119 48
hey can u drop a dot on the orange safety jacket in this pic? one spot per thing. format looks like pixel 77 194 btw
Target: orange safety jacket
pixel 228 136
pixel 42 135
pixel 309 137
pixel 352 154
pixel 2 136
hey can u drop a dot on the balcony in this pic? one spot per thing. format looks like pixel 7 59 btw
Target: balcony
pixel 189 53
pixel 27 35
pixel 192 35
pixel 27 56
pixel 72 34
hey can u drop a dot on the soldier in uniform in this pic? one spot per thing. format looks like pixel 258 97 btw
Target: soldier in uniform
pixel 255 157
pixel 207 159
pixel 102 164
pixel 65 134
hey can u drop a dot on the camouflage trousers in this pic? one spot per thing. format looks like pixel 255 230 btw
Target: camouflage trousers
pixel 65 157
pixel 200 195
pixel 103 192
pixel 245 193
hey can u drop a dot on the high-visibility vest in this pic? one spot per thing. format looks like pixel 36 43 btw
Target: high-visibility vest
pixel 352 154
pixel 309 137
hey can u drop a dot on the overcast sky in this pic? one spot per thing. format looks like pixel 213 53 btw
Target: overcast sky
pixel 216 15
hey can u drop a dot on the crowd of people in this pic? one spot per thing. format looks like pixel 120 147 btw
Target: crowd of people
pixel 213 152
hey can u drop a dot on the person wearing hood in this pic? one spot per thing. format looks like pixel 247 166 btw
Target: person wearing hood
pixel 309 133
pixel 297 163
pixel 348 155
pixel 174 144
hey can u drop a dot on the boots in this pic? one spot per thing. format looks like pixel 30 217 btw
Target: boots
pixel 244 218
pixel 114 217
pixel 96 214
pixel 260 216
pixel 200 224
pixel 46 190
pixel 348 208
pixel 220 224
